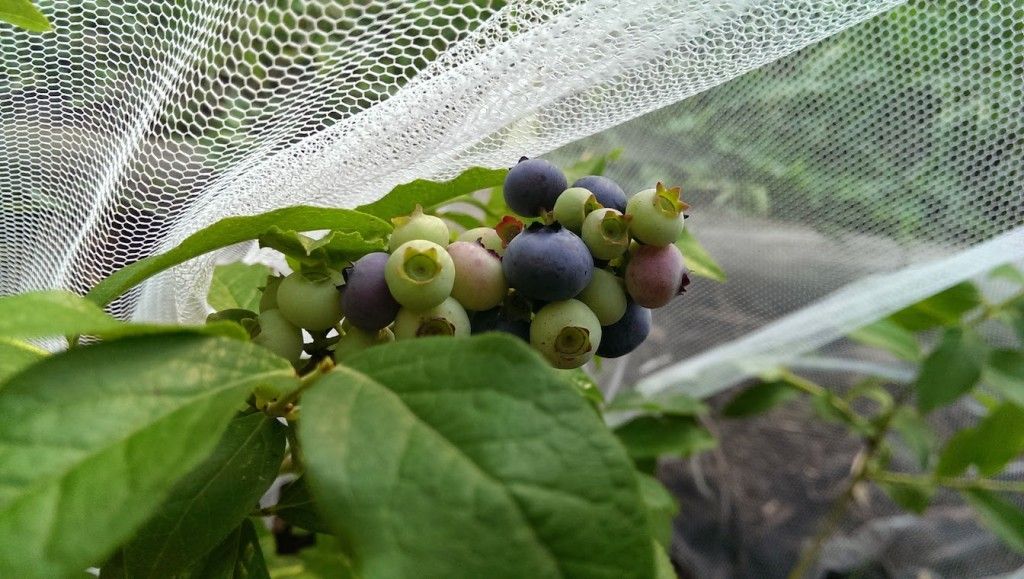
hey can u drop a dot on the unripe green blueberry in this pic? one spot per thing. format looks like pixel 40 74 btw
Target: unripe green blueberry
pixel 420 274
pixel 418 225
pixel 605 295
pixel 354 340
pixel 310 301
pixel 279 335
pixel 448 318
pixel 486 236
pixel 573 206
pixel 268 299
pixel 567 333
pixel 479 280
pixel 657 215
pixel 606 233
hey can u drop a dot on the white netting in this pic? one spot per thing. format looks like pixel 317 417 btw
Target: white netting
pixel 843 157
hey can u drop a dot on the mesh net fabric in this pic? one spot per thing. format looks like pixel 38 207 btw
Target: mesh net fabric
pixel 844 157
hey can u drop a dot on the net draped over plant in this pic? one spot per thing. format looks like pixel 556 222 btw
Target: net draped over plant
pixel 843 158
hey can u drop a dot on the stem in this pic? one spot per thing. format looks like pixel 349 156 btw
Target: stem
pixel 962 484
pixel 812 389
pixel 282 406
pixel 860 471
pixel 989 311
pixel 294 449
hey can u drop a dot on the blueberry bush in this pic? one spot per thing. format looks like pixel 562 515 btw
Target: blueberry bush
pixel 406 402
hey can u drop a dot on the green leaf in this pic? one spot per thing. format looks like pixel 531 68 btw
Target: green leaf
pixel 698 260
pixel 586 386
pixel 334 250
pixel 237 286
pixel 482 434
pixel 1003 518
pixel 323 560
pixel 238 556
pixel 950 371
pixel 15 356
pixel 914 498
pixel 990 445
pixel 661 506
pixel 675 404
pixel 404 198
pixel 1004 372
pixel 662 564
pixel 89 449
pixel 61 313
pixel 463 220
pixel 916 434
pixel 890 336
pixel 236 230
pixel 208 502
pixel 654 436
pixel 297 507
pixel 24 14
pixel 942 309
pixel 758 398
pixel 1009 273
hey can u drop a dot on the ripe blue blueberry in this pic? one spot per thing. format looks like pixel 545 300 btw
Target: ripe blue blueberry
pixel 448 318
pixel 310 301
pixel 420 274
pixel 627 334
pixel 607 192
pixel 548 263
pixel 418 225
pixel 365 296
pixel 479 280
pixel 532 186
pixel 606 233
pixel 567 333
pixel 655 275
pixel 573 206
pixel 495 320
pixel 605 295
pixel 656 215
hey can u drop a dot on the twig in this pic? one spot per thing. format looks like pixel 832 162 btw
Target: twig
pixel 962 484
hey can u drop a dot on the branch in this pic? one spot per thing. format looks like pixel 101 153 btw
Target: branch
pixel 961 484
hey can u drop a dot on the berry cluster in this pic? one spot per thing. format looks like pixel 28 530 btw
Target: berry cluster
pixel 578 281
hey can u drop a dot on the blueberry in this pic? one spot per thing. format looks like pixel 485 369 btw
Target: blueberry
pixel 532 186
pixel 548 263
pixel 279 336
pixel 418 225
pixel 608 192
pixel 310 301
pixel 495 320
pixel 627 334
pixel 656 215
pixel 365 296
pixel 448 318
pixel 606 233
pixel 655 275
pixel 420 274
pixel 567 333
pixel 479 281
pixel 268 297
pixel 485 236
pixel 605 295
pixel 573 206
pixel 354 340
